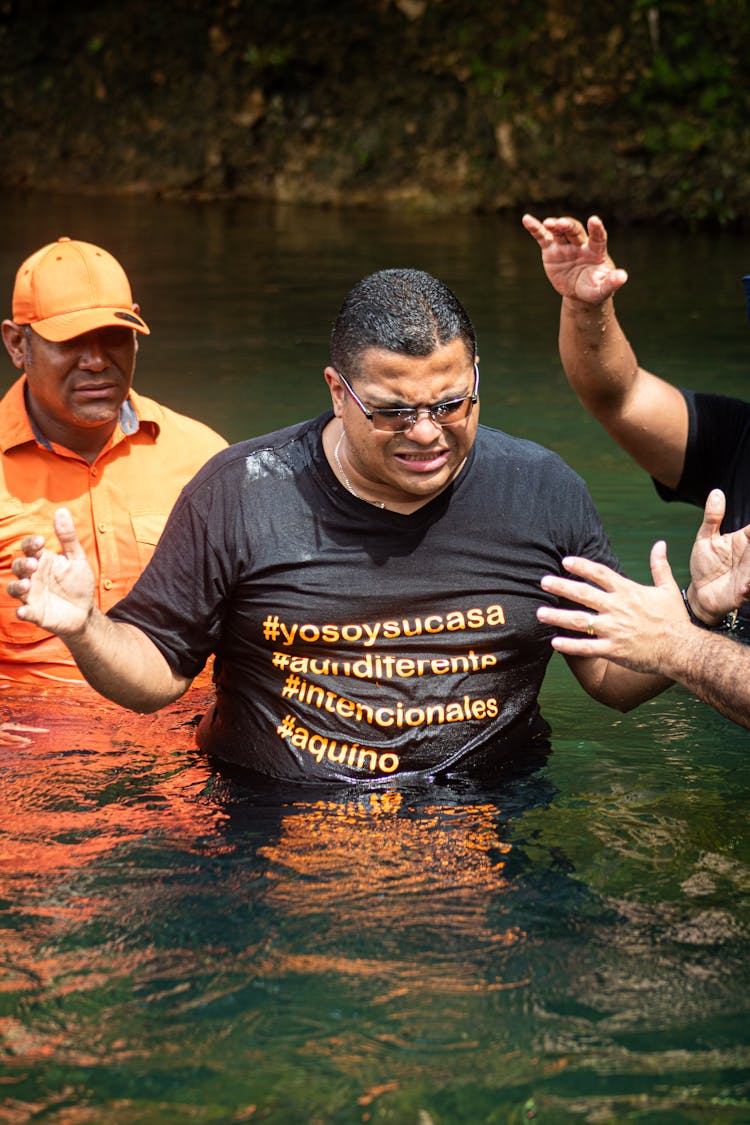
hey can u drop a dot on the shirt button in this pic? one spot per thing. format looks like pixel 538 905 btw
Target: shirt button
pixel 102 527
pixel 107 583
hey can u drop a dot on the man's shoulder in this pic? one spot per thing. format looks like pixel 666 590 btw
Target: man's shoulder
pixel 274 454
pixel 170 423
pixel 14 420
pixel 518 451
pixel 718 432
pixel 706 404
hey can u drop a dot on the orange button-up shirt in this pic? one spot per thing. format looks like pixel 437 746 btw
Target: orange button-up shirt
pixel 119 505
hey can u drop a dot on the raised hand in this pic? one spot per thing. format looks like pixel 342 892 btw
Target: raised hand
pixel 719 565
pixel 56 591
pixel 575 257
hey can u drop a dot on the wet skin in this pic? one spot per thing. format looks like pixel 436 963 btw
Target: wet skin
pixel 76 387
pixel 404 470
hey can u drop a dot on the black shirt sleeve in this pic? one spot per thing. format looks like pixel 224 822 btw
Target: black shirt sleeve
pixel 717 450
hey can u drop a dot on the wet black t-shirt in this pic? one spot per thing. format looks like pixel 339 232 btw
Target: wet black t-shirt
pixel 354 643
pixel 717 456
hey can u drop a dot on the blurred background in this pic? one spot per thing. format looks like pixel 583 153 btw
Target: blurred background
pixel 637 108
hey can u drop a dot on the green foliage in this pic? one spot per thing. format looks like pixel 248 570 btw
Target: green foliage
pixel 267 57
pixel 641 105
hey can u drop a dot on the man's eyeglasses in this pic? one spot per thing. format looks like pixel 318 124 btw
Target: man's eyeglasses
pixel 401 418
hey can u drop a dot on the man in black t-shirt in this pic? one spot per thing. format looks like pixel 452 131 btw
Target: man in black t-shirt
pixel 368 581
pixel 689 443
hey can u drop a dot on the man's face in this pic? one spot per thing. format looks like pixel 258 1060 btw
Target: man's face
pixel 410 467
pixel 78 385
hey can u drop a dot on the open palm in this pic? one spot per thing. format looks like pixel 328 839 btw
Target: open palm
pixel 575 257
pixel 719 564
pixel 56 590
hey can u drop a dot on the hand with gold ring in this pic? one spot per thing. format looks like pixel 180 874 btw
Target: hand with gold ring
pixel 626 622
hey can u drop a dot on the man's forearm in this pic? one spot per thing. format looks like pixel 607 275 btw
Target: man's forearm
pixel 121 663
pixel 612 683
pixel 598 360
pixel 713 666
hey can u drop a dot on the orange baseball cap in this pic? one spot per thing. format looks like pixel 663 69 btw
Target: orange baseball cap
pixel 68 288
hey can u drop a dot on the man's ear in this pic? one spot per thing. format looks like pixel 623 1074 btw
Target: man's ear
pixel 15 340
pixel 336 388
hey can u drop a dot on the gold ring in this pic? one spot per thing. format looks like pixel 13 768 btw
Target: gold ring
pixel 590 628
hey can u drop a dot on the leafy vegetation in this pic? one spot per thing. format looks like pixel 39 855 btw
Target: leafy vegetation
pixel 637 108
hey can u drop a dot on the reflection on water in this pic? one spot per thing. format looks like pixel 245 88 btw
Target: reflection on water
pixel 570 946
pixel 352 866
pixel 175 945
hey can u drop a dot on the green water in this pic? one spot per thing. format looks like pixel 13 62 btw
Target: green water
pixel 572 947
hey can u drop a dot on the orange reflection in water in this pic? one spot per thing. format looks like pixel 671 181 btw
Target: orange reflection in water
pixel 410 883
pixel 401 898
pixel 80 779
pixel 83 777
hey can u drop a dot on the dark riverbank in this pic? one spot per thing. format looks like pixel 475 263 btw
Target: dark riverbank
pixel 639 111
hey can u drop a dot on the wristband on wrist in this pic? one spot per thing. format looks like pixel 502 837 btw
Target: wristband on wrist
pixel 728 624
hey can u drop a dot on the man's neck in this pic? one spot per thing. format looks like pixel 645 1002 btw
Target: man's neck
pixel 87 442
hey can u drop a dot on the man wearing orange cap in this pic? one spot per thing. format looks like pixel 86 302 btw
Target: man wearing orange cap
pixel 74 432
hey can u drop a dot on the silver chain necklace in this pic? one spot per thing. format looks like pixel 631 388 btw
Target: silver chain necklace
pixel 345 478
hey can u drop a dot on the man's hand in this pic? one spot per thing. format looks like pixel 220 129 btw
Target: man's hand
pixel 575 259
pixel 56 591
pixel 719 565
pixel 631 625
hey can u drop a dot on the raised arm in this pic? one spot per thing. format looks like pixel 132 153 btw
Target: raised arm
pixel 56 592
pixel 644 414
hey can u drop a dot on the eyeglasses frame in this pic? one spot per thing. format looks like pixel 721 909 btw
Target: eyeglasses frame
pixel 416 410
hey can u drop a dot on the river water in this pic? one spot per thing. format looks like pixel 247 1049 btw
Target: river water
pixel 571 947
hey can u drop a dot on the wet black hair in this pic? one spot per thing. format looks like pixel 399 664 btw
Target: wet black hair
pixel 406 311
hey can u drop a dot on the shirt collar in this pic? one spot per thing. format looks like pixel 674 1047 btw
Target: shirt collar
pixel 129 423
